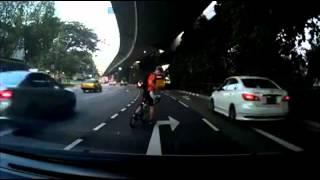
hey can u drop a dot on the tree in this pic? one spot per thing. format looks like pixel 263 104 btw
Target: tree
pixel 75 36
pixel 251 38
pixel 72 50
pixel 11 25
pixel 40 31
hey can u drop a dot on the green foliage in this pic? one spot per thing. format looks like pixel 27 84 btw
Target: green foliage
pixel 248 38
pixel 48 42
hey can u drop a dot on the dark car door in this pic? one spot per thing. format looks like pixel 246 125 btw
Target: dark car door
pixel 43 95
pixel 62 97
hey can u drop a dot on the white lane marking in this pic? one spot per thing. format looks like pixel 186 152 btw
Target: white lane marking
pixel 123 109
pixel 279 141
pixel 313 123
pixel 183 104
pixel 210 124
pixel 128 105
pixel 114 116
pixel 173 98
pixel 132 102
pixel 6 132
pixel 186 97
pixel 73 144
pixel 99 126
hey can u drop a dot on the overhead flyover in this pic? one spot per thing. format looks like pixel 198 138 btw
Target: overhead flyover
pixel 147 26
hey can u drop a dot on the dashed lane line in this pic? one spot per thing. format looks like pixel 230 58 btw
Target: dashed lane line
pixel 279 141
pixel 123 109
pixel 99 126
pixel 73 144
pixel 183 104
pixel 114 116
pixel 210 124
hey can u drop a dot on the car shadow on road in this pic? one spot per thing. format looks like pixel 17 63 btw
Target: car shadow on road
pixel 29 125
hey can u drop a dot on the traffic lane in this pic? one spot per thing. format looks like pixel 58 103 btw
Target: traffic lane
pixel 116 136
pixel 89 113
pixel 237 130
pixel 191 136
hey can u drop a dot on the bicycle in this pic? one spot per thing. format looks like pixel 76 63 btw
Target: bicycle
pixel 142 112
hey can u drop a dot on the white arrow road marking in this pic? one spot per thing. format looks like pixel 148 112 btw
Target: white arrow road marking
pixel 279 141
pixel 73 144
pixel 99 126
pixel 6 132
pixel 186 97
pixel 209 124
pixel 154 147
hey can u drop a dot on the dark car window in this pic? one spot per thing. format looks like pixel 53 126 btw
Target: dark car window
pixel 258 83
pixel 228 84
pixel 232 81
pixel 38 80
pixel 12 79
pixel 232 84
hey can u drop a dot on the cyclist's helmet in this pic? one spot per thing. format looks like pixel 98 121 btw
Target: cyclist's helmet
pixel 159 70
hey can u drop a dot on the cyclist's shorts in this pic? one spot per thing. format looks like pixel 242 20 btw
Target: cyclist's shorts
pixel 148 98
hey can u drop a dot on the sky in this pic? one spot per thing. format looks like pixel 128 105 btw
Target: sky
pixel 98 16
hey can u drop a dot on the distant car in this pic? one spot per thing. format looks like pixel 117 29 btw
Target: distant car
pixel 112 83
pixel 91 85
pixel 140 84
pixel 250 98
pixel 123 83
pixel 29 93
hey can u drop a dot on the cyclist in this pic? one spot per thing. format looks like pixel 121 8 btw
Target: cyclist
pixel 150 87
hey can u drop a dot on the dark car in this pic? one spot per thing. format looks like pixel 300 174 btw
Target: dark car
pixel 29 93
pixel 123 83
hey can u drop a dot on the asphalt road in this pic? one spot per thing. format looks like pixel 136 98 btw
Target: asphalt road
pixel 185 127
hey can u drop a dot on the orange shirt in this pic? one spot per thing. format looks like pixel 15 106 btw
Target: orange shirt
pixel 151 82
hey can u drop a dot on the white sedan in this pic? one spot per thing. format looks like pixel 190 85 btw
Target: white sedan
pixel 250 98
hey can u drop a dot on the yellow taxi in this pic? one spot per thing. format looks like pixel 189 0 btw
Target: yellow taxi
pixel 91 85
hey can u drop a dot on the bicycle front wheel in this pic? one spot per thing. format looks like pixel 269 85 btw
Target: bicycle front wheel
pixel 133 121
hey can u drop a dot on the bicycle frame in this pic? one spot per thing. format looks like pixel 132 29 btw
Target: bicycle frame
pixel 142 111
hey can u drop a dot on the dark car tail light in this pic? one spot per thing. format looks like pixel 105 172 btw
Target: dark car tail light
pixel 286 98
pixel 5 94
pixel 250 97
